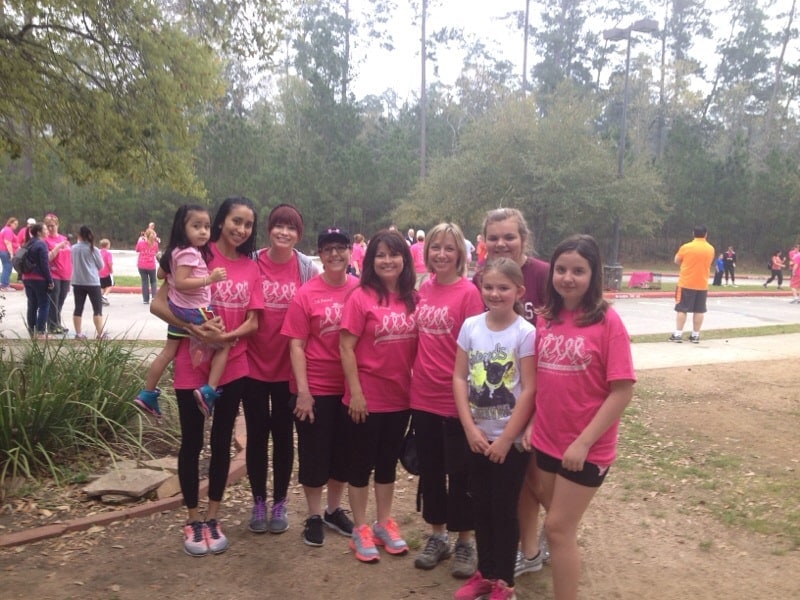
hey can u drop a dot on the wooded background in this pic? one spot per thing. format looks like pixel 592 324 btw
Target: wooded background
pixel 112 114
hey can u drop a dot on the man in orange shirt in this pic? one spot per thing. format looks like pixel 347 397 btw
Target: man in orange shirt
pixel 694 259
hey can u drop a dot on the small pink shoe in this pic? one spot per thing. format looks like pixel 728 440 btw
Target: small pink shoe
pixel 475 587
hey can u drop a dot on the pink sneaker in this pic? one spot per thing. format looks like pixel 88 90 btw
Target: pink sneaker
pixel 474 588
pixel 362 545
pixel 501 591
pixel 388 536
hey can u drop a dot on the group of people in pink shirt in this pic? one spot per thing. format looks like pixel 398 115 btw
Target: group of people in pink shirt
pixel 351 362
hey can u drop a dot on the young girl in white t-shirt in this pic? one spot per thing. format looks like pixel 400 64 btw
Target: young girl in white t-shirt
pixel 493 385
pixel 584 378
pixel 185 265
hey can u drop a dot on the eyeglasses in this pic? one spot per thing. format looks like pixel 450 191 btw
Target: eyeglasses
pixel 332 249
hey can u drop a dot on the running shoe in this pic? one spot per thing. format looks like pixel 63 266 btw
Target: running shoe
pixel 363 545
pixel 147 401
pixel 205 397
pixel 435 551
pixel 216 540
pixel 194 539
pixel 528 565
pixel 501 591
pixel 475 587
pixel 278 521
pixel 313 535
pixel 258 518
pixel 338 521
pixel 388 536
pixel 465 562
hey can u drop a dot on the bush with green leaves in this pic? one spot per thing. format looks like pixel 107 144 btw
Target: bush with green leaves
pixel 62 401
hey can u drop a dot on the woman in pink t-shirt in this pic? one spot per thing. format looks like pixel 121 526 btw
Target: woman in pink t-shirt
pixel 585 377
pixel 317 385
pixel 283 270
pixel 60 256
pixel 236 306
pixel 445 300
pixel 8 246
pixel 377 342
pixel 147 248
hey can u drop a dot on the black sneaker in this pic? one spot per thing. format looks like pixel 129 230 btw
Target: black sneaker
pixel 338 521
pixel 695 339
pixel 675 338
pixel 312 532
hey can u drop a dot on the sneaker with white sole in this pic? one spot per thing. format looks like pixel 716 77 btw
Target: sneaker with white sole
pixel 695 339
pixel 338 521
pixel 675 338
pixel 435 551
pixel 216 540
pixel 278 520
pixel 388 535
pixel 527 565
pixel 147 401
pixel 194 539
pixel 465 561
pixel 313 534
pixel 363 545
pixel 205 397
pixel 501 591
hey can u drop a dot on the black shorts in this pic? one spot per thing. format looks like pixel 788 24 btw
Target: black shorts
pixel 592 475
pixel 690 301
pixel 105 282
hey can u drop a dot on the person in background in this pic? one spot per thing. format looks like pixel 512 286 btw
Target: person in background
pixel 480 252
pixel 418 256
pixel 22 234
pixel 8 246
pixel 470 248
pixel 777 264
pixel 719 268
pixel 730 266
pixel 445 301
pixel 580 396
pixel 377 343
pixel 794 283
pixel 38 282
pixel 61 269
pixel 410 237
pixel 107 272
pixel 147 249
pixel 317 386
pixel 694 259
pixel 283 270
pixel 494 380
pixel 86 265
pixel 236 304
pixel 357 254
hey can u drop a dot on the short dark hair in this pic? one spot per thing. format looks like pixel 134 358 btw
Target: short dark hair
pixel 700 231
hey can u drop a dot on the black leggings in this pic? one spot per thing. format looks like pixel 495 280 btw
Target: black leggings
pixel 775 273
pixel 273 398
pixel 729 272
pixel 226 408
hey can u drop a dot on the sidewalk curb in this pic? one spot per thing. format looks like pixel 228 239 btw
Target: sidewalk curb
pixel 236 471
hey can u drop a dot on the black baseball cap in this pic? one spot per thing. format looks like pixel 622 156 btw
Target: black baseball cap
pixel 333 234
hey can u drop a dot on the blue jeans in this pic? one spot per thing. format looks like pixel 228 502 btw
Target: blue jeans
pixel 148 277
pixel 38 304
pixel 5 277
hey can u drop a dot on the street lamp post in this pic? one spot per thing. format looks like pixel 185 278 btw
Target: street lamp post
pixel 614 35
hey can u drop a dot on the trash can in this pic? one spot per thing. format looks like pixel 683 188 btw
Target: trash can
pixel 612 277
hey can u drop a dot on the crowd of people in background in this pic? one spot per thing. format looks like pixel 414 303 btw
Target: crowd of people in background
pixel 511 371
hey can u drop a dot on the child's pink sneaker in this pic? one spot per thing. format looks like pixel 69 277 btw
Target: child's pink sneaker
pixel 475 587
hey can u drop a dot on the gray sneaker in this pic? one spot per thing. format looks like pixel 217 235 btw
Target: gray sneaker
pixel 278 521
pixel 544 547
pixel 435 551
pixel 258 519
pixel 466 560
pixel 527 565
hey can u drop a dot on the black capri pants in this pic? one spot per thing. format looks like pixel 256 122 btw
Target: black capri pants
pixel 322 446
pixel 375 446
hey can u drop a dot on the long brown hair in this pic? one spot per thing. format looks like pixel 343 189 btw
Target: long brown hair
pixel 407 280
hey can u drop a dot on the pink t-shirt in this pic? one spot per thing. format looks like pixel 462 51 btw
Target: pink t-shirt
pixel 230 299
pixel 196 297
pixel 7 235
pixel 575 367
pixel 440 313
pixel 387 342
pixel 147 254
pixel 314 315
pixel 107 262
pixel 417 254
pixel 61 265
pixel 269 350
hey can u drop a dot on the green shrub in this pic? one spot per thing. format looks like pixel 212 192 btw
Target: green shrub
pixel 62 400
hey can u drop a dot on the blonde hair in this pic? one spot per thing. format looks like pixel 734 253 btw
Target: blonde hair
pixel 509 268
pixel 104 243
pixel 502 214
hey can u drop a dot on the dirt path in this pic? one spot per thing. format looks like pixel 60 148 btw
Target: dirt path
pixel 654 531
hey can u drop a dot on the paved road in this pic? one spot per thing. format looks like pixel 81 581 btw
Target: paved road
pixel 127 317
